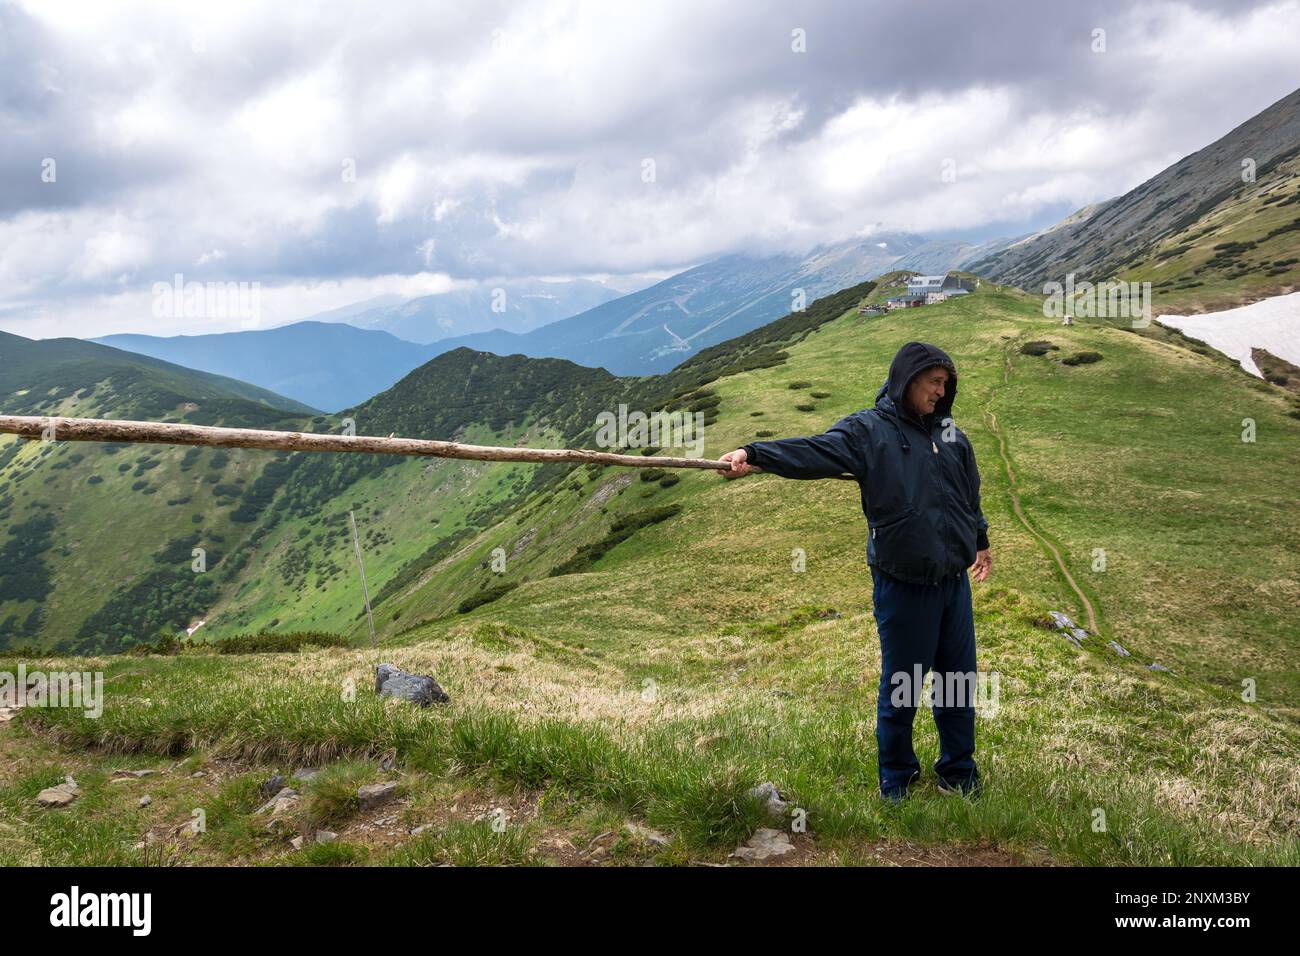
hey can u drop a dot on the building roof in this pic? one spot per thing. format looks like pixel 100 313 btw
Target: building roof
pixel 925 282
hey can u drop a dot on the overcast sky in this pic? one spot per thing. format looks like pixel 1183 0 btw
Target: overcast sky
pixel 331 152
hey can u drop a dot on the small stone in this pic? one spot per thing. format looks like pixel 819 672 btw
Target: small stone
pixel 283 802
pixel 1114 646
pixel 421 829
pixel 764 844
pixel 1061 621
pixel 1159 667
pixel 376 794
pixel 59 796
pixel 271 787
pixel 771 798
pixel 146 800
pixel 198 773
pixel 296 843
pixel 304 774
pixel 647 834
pixel 132 774
pixel 326 836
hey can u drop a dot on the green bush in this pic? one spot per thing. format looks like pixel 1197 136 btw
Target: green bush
pixel 168 645
pixel 1081 358
pixel 651 474
pixel 1037 348
pixel 486 596
pixel 268 643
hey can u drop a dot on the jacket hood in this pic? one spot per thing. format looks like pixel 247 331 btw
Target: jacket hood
pixel 912 359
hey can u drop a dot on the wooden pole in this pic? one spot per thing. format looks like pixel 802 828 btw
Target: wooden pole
pixel 356 544
pixel 166 433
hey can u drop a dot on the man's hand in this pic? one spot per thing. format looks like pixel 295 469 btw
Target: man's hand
pixel 739 466
pixel 983 564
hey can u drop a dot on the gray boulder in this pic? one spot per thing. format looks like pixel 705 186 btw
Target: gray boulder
pixel 419 689
pixel 375 794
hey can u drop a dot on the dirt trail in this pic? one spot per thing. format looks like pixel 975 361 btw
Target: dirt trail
pixel 991 419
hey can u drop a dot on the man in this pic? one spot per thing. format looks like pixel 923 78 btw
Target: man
pixel 920 494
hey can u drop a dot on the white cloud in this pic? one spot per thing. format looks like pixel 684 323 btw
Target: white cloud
pixel 506 139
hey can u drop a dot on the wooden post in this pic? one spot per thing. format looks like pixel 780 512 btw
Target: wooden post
pixel 365 591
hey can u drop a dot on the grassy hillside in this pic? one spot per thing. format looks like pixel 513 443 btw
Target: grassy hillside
pixel 685 660
pixel 36 376
pixel 96 540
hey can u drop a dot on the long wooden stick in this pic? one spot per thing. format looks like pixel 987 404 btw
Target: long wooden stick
pixel 165 433
pixel 109 430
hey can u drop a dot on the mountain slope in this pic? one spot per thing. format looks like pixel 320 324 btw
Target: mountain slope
pixel 1200 233
pixel 519 305
pixel 652 331
pixel 329 365
pixel 37 374
pixel 96 540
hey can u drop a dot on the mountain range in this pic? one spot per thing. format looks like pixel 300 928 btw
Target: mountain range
pixel 337 360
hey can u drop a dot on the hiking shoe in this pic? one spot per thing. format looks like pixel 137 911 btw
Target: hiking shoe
pixel 968 787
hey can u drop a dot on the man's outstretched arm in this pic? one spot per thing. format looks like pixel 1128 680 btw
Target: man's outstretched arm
pixel 836 452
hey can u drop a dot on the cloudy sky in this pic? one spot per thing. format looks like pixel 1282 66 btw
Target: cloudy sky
pixel 331 152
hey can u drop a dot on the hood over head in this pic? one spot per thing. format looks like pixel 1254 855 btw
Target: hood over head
pixel 910 360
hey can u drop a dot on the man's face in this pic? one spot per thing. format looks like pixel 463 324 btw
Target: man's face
pixel 927 388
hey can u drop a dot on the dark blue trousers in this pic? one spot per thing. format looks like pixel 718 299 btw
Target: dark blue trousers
pixel 923 628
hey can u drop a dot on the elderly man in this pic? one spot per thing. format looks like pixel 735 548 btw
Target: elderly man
pixel 921 497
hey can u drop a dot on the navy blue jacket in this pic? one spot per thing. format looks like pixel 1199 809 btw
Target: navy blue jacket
pixel 920 487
